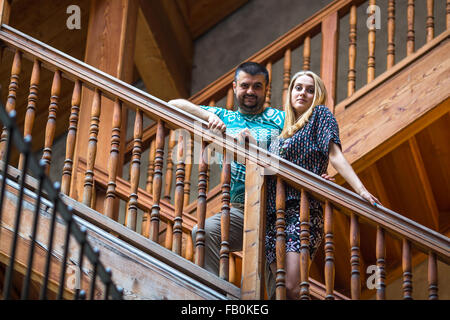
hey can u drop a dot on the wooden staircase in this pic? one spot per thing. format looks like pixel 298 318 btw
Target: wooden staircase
pixel 392 122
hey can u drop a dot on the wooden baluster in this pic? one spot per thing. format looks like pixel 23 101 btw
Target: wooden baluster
pixel 149 187
pixel 280 246
pixel 131 217
pixel 169 169
pixel 307 53
pixel 355 282
pixel 411 36
pixel 189 247
pixel 286 73
pixel 329 251
pixel 391 35
pixel 407 274
pixel 51 122
pixel 209 150
pixel 352 53
pixel 157 182
pixel 269 85
pixel 232 275
pixel 371 47
pixel 12 94
pixel 179 197
pixel 225 217
pixel 430 20
pixel 381 263
pixel 201 208
pixel 92 149
pixel 230 99
pixel 169 236
pixel 304 246
pixel 188 167
pixel 448 15
pixel 31 107
pixel 432 277
pixel 71 138
pixel 113 162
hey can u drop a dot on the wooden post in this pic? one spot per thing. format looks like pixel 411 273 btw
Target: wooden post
pixel 5 11
pixel 381 263
pixel 352 53
pixel 407 272
pixel 391 35
pixel 355 283
pixel 371 49
pixel 286 74
pixel 304 246
pixel 269 85
pixel 328 66
pixel 179 196
pixel 432 277
pixel 254 225
pixel 157 182
pixel 280 245
pixel 430 20
pixel 329 251
pixel 225 218
pixel 307 53
pixel 411 34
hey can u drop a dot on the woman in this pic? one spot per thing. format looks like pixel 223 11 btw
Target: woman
pixel 309 138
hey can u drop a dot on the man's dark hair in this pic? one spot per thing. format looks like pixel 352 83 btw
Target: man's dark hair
pixel 252 68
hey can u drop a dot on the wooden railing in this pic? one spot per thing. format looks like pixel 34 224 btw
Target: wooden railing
pixel 159 215
pixel 34 268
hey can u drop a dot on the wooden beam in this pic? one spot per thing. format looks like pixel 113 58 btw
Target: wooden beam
pixel 253 243
pixel 425 181
pixel 328 65
pixel 164 50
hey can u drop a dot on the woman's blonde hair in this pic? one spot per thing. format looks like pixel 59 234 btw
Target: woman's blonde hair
pixel 291 124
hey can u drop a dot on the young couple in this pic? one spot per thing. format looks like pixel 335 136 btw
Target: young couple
pixel 305 133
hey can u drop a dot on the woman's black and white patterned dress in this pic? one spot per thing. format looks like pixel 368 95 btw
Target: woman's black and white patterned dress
pixel 307 148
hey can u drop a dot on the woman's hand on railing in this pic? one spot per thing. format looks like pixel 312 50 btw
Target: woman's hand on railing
pixel 327 177
pixel 369 197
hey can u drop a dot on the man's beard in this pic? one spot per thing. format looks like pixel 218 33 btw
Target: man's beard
pixel 253 107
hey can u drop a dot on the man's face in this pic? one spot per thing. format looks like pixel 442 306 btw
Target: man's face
pixel 250 92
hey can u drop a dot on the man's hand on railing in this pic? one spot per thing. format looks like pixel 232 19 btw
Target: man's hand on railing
pixel 215 124
pixel 244 135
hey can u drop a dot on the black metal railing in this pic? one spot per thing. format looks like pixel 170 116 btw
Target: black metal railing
pixel 12 138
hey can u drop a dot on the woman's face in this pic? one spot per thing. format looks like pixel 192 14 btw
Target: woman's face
pixel 302 94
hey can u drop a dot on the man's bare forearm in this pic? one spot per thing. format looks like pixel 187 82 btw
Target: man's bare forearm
pixel 191 108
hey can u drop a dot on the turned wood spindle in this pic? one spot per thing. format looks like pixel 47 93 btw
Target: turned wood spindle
pixel 352 53
pixel 188 168
pixel 381 263
pixel 430 20
pixel 179 196
pixel 304 246
pixel 51 121
pixel 371 49
pixel 71 138
pixel 149 187
pixel 230 99
pixel 269 85
pixel 280 245
pixel 329 251
pixel 169 169
pixel 407 273
pixel 448 15
pixel 12 94
pixel 286 73
pixel 225 217
pixel 31 107
pixel 355 281
pixel 113 161
pixel 307 53
pixel 201 207
pixel 432 277
pixel 168 242
pixel 92 149
pixel 157 182
pixel 391 35
pixel 131 217
pixel 411 33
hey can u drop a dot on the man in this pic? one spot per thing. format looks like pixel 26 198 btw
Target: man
pixel 251 120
